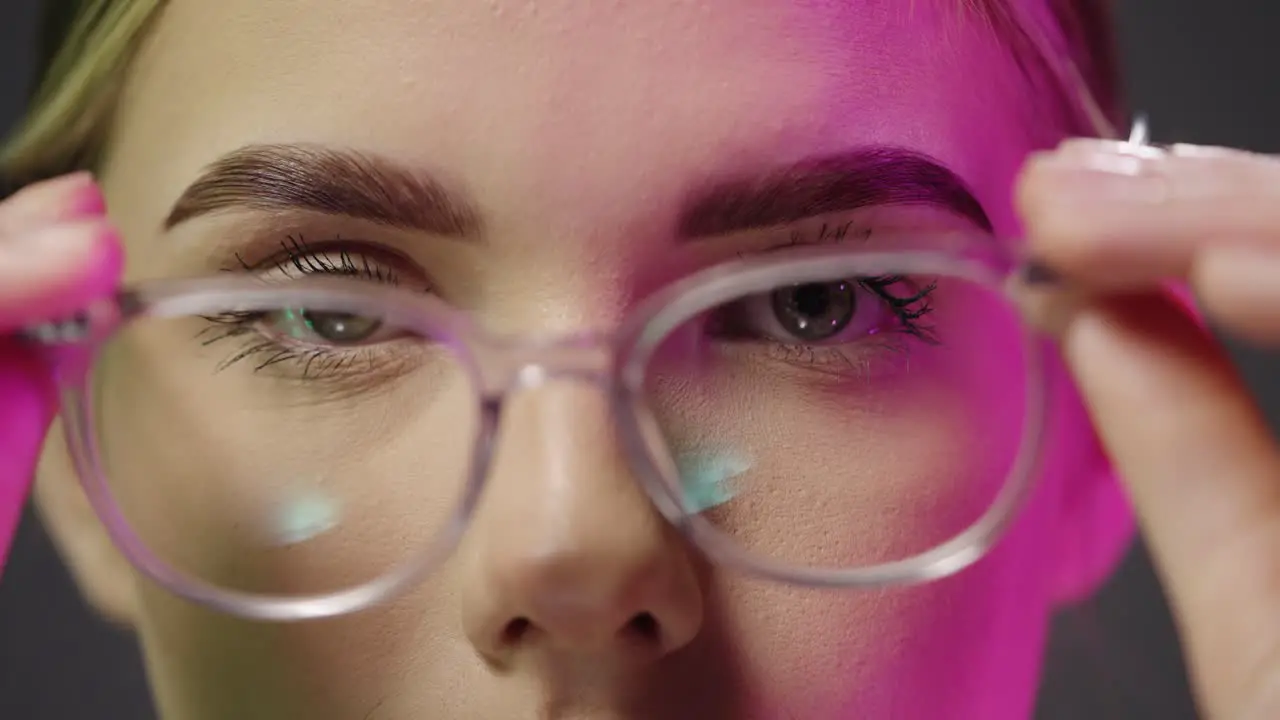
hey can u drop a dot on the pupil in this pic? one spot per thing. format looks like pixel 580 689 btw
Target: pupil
pixel 815 311
pixel 812 299
pixel 340 328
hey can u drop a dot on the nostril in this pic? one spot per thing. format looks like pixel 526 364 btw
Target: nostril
pixel 515 631
pixel 642 627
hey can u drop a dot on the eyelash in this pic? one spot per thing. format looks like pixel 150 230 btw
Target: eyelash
pixel 908 311
pixel 296 258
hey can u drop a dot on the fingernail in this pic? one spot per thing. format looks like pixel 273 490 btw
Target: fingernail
pixel 1105 172
pixel 66 199
pixel 73 197
pixel 1095 147
pixel 87 202
pixel 1047 302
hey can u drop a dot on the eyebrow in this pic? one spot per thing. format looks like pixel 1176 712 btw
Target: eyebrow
pixel 865 177
pixel 342 182
pixel 330 181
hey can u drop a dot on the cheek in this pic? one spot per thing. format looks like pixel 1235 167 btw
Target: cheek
pixel 280 474
pixel 967 646
pixel 970 645
pixel 254 480
pixel 406 654
pixel 868 462
pixel 871 452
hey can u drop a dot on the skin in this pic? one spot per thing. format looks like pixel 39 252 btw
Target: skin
pixel 1198 459
pixel 578 167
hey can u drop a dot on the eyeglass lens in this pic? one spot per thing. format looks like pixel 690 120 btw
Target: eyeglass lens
pixel 832 423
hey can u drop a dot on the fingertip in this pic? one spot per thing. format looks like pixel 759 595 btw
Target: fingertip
pixel 58 271
pixel 68 198
pixel 52 187
pixel 1087 210
pixel 1240 288
pixel 86 201
pixel 1026 199
pixel 1055 234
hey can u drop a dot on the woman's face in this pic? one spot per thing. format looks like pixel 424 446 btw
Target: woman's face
pixel 575 143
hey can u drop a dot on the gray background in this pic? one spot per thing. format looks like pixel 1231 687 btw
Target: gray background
pixel 1205 72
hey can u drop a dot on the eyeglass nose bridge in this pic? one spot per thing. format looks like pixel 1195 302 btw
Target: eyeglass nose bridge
pixel 510 365
pixel 517 364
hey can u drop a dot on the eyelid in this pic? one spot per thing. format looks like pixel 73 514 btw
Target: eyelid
pixel 877 225
pixel 824 233
pixel 262 255
pixel 296 256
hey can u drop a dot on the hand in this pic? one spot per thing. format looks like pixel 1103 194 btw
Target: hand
pixel 57 252
pixel 1122 225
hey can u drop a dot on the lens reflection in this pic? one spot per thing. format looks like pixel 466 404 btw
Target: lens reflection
pixel 842 422
pixel 285 451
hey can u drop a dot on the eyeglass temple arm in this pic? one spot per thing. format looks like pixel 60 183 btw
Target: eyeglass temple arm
pixel 59 332
pixel 79 327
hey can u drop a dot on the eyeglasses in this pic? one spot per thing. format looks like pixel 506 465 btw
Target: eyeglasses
pixel 854 415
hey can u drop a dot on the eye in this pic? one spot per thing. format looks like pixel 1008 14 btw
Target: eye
pixel 821 313
pixel 328 328
pixel 814 312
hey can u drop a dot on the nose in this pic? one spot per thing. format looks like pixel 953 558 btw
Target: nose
pixel 566 555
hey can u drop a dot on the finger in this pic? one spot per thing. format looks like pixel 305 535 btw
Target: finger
pixel 1081 147
pixel 1112 219
pixel 1204 476
pixel 1240 288
pixel 56 254
pixel 70 197
pixel 54 272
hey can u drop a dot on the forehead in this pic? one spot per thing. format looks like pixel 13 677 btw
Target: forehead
pixel 501 88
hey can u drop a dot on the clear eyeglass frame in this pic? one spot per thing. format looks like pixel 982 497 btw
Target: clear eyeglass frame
pixel 500 365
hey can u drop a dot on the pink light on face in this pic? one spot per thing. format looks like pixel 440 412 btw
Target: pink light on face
pixel 580 129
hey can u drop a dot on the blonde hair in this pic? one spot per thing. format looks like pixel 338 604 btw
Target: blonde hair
pixel 69 118
pixel 70 114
